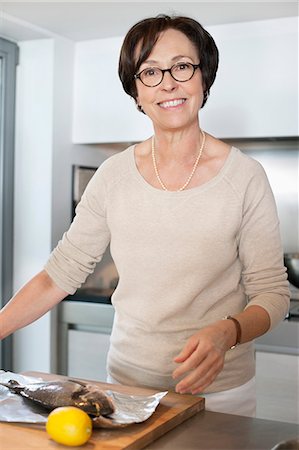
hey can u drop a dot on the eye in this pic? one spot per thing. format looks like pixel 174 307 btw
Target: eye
pixel 181 67
pixel 150 72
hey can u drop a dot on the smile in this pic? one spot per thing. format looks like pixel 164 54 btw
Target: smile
pixel 172 103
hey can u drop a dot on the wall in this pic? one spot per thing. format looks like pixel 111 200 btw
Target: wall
pixel 33 172
pixel 44 156
pixel 43 180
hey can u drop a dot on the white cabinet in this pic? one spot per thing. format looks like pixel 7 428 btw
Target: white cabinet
pixel 277 386
pixel 277 369
pixel 84 330
pixel 256 89
pixel 255 93
pixel 87 354
pixel 103 112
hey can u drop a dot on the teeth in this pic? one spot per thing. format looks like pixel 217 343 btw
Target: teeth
pixel 172 103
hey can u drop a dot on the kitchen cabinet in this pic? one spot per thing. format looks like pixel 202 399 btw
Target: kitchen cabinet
pixel 84 330
pixel 87 354
pixel 255 93
pixel 277 386
pixel 103 112
pixel 256 89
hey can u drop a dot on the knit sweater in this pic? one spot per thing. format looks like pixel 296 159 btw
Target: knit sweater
pixel 185 259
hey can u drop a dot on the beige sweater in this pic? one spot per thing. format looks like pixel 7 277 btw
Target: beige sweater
pixel 185 259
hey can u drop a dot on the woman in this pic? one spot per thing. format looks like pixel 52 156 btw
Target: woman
pixel 193 231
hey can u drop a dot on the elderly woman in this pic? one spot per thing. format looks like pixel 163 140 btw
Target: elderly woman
pixel 193 230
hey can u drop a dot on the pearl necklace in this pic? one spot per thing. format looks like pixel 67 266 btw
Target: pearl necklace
pixel 193 170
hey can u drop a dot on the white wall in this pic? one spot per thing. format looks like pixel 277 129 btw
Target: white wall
pixel 44 156
pixel 42 180
pixel 33 171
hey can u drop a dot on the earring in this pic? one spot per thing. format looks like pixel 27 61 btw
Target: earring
pixel 139 107
pixel 205 96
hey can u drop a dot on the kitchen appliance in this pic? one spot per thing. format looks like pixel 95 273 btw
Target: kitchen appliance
pixel 100 285
pixel 291 261
pixel 85 318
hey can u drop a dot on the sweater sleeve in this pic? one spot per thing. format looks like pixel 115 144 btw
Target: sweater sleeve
pixel 84 244
pixel 260 250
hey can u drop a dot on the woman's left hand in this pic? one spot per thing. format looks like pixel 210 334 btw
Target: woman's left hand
pixel 202 358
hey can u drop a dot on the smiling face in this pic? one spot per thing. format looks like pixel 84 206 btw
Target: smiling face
pixel 172 104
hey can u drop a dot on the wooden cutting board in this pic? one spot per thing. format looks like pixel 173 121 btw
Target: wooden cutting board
pixel 172 411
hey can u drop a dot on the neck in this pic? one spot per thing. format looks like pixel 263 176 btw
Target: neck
pixel 179 146
pixel 195 164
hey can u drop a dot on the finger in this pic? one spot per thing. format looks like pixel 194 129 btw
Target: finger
pixel 201 376
pixel 187 350
pixel 200 386
pixel 184 385
pixel 190 363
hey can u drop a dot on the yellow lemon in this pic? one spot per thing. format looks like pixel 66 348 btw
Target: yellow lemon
pixel 69 425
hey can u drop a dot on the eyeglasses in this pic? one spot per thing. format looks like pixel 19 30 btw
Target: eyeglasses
pixel 152 76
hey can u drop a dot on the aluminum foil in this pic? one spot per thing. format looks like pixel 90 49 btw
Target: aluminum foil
pixel 128 408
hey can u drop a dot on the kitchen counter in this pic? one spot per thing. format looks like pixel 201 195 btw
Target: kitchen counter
pixel 218 431
pixel 91 295
pixel 204 431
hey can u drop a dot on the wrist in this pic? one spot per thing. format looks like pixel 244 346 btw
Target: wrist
pixel 237 331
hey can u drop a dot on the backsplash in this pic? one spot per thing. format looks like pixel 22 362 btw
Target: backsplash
pixel 280 159
pixel 282 168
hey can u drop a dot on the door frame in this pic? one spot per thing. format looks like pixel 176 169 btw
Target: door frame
pixel 9 54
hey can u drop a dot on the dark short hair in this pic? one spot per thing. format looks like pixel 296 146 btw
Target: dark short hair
pixel 147 33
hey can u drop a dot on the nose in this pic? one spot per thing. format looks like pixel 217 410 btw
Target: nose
pixel 168 83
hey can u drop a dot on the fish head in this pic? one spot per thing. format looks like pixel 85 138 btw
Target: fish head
pixel 95 401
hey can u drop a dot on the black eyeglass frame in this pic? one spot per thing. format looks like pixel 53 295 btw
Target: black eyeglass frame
pixel 138 75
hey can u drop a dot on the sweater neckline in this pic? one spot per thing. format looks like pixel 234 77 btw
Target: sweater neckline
pixel 143 183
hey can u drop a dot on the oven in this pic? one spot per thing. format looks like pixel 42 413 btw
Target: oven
pixel 100 285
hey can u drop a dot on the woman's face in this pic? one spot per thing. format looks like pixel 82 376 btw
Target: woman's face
pixel 172 104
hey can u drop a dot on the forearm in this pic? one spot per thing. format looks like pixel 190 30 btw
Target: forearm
pixel 32 301
pixel 254 321
pixel 202 357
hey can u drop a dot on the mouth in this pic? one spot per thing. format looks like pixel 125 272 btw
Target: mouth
pixel 172 103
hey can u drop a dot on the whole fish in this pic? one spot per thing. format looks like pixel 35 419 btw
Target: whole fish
pixel 52 394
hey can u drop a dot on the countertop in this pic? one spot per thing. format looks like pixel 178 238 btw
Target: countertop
pixel 218 431
pixel 205 430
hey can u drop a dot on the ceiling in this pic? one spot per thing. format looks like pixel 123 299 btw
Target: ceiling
pixel 79 21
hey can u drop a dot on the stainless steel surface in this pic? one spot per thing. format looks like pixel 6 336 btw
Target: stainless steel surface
pixel 282 339
pixel 9 60
pixel 81 177
pixel 291 261
pixel 294 310
pixel 290 444
pixel 80 316
pixel 217 431
pixel 280 159
pixel 105 275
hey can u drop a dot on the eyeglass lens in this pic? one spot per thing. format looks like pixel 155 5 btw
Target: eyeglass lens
pixel 152 76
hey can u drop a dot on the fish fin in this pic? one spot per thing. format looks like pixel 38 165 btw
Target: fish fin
pixel 81 383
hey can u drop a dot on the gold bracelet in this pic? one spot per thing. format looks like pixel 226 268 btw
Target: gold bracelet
pixel 238 328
